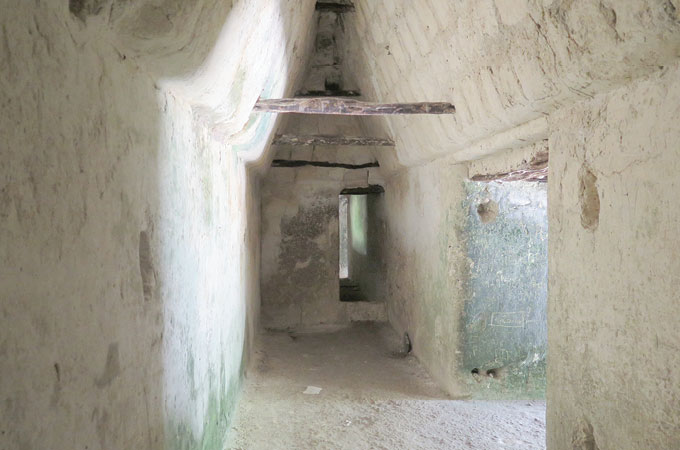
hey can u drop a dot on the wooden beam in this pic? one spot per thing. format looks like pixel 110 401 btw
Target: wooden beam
pixel 328 93
pixel 370 189
pixel 348 107
pixel 534 170
pixel 291 139
pixel 334 7
pixel 299 163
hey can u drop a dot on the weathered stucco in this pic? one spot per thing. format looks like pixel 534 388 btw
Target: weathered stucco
pixel 130 202
pixel 425 266
pixel 300 248
pixel 613 363
pixel 502 63
pixel 505 323
pixel 128 277
pixel 300 206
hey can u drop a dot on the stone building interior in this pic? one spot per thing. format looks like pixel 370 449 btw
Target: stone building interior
pixel 324 224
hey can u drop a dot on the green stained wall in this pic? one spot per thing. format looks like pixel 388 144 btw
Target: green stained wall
pixel 504 319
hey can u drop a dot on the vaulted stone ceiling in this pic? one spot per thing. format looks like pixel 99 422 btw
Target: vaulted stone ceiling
pixel 502 63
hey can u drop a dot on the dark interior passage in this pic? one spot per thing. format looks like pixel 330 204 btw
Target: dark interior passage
pixel 360 224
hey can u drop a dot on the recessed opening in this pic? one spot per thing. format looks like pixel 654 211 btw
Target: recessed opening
pixel 506 237
pixel 358 220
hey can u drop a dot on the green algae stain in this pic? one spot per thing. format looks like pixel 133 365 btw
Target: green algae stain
pixel 218 417
pixel 505 313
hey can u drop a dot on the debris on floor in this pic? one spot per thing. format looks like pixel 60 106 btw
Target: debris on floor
pixel 312 390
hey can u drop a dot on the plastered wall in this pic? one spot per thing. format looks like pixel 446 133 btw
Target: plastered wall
pixel 613 361
pixel 300 247
pixel 128 222
pixel 424 263
pixel 508 66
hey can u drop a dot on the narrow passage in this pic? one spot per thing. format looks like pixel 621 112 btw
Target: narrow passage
pixel 372 397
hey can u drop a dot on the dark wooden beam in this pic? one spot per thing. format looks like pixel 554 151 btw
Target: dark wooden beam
pixel 534 170
pixel 334 7
pixel 299 163
pixel 291 139
pixel 328 93
pixel 370 189
pixel 348 107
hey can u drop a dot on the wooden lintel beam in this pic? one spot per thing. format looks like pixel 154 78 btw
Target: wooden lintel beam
pixel 534 170
pixel 328 93
pixel 291 139
pixel 334 7
pixel 348 107
pixel 299 163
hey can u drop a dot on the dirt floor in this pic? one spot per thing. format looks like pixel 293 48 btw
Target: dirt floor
pixel 372 397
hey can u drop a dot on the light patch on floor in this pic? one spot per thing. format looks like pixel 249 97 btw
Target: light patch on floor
pixel 372 397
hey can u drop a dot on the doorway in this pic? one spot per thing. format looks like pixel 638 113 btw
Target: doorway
pixel 359 249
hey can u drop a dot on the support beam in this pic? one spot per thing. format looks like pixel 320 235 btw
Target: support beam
pixel 291 139
pixel 328 93
pixel 534 170
pixel 347 107
pixel 370 189
pixel 334 7
pixel 299 163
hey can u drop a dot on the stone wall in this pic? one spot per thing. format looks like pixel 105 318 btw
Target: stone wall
pixel 613 363
pixel 425 265
pixel 300 247
pixel 128 276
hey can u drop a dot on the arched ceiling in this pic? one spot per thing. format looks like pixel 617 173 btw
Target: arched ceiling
pixel 502 63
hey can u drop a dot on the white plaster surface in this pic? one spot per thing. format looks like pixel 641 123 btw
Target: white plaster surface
pixel 129 251
pixel 501 63
pixel 613 339
pixel 425 265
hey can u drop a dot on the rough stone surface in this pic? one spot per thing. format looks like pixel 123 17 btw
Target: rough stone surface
pixel 129 225
pixel 128 277
pixel 502 63
pixel 424 271
pixel 300 246
pixel 300 207
pixel 613 362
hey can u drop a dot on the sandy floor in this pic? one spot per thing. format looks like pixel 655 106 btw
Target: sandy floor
pixel 370 398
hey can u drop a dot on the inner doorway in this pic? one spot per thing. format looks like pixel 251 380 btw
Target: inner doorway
pixel 359 223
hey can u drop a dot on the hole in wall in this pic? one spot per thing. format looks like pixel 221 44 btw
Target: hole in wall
pixel 589 199
pixel 487 210
pixel 493 373
pixel 83 8
pixel 76 7
pixel 146 268
pixel 405 347
pixel 496 372
pixel 584 437
pixel 407 343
